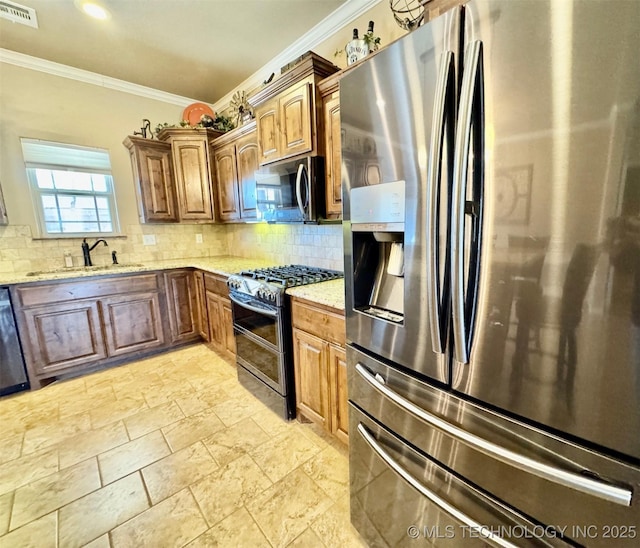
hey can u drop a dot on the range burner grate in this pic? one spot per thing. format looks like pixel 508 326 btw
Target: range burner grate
pixel 292 275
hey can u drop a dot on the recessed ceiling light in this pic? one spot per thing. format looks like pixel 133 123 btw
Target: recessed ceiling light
pixel 93 9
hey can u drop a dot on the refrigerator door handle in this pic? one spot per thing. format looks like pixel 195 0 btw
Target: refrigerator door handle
pixel 470 79
pixel 444 85
pixel 483 531
pixel 572 480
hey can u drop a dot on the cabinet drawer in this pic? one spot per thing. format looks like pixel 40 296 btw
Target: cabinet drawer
pixel 216 283
pixel 326 323
pixel 95 286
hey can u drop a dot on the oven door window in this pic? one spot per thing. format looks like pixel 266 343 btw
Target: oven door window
pixel 260 325
pixel 263 362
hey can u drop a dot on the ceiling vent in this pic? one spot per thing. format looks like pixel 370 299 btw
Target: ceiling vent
pixel 18 14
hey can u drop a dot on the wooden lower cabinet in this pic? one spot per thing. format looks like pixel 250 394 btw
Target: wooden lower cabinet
pixel 220 317
pixel 61 336
pixel 320 366
pixel 71 326
pixel 201 305
pixel 132 323
pixel 180 287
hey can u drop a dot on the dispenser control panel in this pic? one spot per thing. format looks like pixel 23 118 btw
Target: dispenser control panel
pixel 378 207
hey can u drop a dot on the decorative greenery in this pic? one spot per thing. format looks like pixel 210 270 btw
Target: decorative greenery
pixel 220 123
pixel 371 40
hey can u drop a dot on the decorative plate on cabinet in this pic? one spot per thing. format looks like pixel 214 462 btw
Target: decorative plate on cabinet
pixel 195 111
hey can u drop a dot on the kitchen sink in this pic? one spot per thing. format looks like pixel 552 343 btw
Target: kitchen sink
pixel 64 270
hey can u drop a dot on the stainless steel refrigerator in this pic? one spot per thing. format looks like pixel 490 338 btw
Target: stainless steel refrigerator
pixel 491 201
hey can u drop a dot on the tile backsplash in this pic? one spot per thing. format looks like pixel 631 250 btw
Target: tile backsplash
pixel 312 245
pixel 284 244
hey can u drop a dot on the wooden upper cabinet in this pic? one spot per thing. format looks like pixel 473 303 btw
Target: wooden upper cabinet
pixel 268 132
pixel 226 171
pixel 288 111
pixel 192 171
pixel 333 163
pixel 235 159
pixel 247 159
pixel 190 158
pixel 153 174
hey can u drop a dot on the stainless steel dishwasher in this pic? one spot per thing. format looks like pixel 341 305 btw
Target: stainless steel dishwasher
pixel 13 376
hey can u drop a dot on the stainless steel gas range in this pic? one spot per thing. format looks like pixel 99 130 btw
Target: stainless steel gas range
pixel 262 327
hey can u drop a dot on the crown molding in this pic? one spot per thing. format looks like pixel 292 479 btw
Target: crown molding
pixel 339 18
pixel 64 71
pixel 334 22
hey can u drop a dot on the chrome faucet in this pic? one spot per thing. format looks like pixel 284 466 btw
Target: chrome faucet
pixel 86 250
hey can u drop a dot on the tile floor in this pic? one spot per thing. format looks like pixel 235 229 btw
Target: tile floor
pixel 166 451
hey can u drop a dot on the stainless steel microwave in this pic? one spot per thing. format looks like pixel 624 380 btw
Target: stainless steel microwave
pixel 291 191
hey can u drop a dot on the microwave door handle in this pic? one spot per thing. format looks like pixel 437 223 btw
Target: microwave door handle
pixel 299 175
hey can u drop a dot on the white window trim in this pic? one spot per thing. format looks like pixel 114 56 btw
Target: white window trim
pixel 36 200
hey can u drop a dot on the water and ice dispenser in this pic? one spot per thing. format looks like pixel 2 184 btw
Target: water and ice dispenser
pixel 377 227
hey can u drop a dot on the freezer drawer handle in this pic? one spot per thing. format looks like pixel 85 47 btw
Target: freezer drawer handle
pixel 572 480
pixel 483 531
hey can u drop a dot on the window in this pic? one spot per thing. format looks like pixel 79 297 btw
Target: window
pixel 72 188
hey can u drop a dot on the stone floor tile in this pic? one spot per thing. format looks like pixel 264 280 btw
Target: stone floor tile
pixel 167 393
pixel 178 470
pixel 187 431
pixel 152 419
pixel 92 443
pixel 335 529
pixel 11 447
pixel 100 542
pixel 235 441
pixel 330 470
pixel 19 472
pixel 238 529
pixel 308 539
pixel 6 502
pixel 108 507
pixel 40 533
pixel 117 410
pixel 278 456
pixel 52 492
pixel 197 402
pixel 173 522
pixel 288 507
pixel 48 434
pixel 234 410
pixel 229 488
pixel 131 456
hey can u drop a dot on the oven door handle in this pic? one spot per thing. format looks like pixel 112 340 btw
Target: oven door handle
pixel 257 309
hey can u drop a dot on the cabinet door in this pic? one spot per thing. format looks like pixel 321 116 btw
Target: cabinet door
pixel 247 160
pixel 4 219
pixel 310 362
pixel 201 306
pixel 191 168
pixel 216 331
pixel 333 157
pixel 63 335
pixel 227 183
pixel 338 393
pixel 154 173
pixel 268 133
pixel 295 121
pixel 182 305
pixel 132 322
pixel 227 328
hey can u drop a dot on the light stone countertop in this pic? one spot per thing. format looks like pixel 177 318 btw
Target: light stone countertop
pixel 329 293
